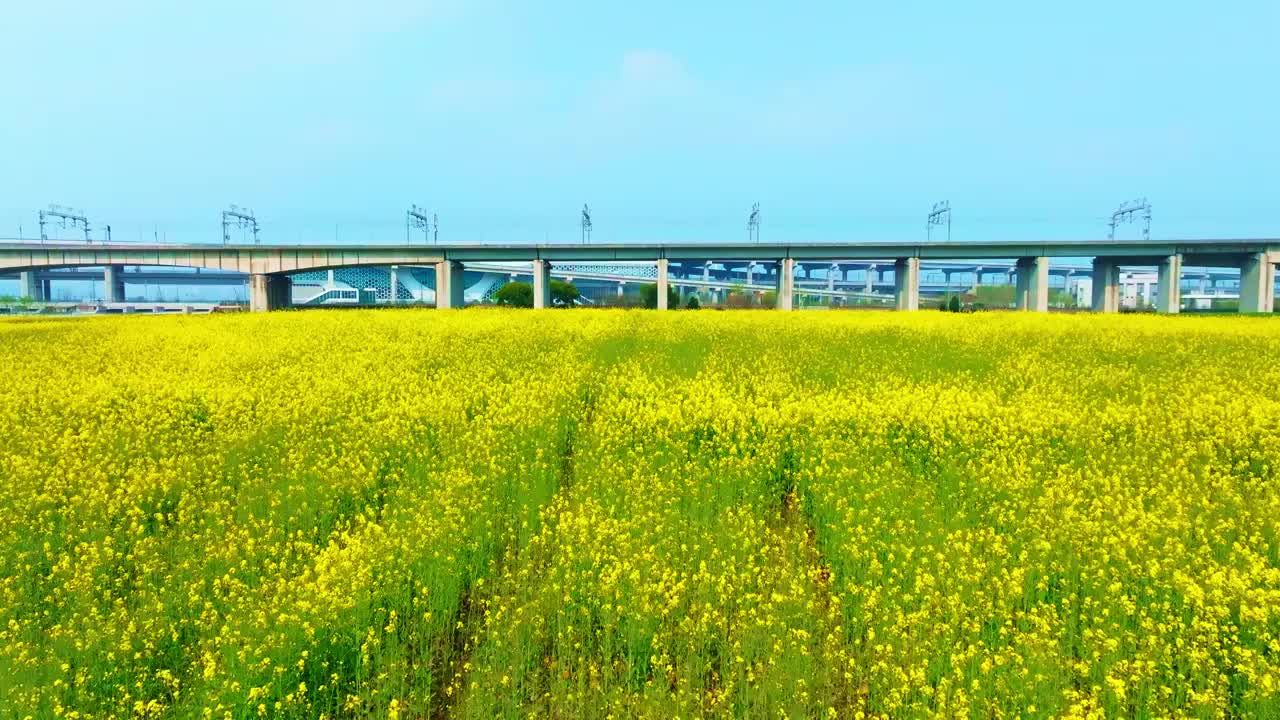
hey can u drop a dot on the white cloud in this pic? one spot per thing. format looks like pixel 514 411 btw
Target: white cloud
pixel 653 70
pixel 843 106
pixel 646 79
pixel 655 97
pixel 332 28
pixel 478 91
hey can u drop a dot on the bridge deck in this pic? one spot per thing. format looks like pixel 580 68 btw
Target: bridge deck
pixel 1204 251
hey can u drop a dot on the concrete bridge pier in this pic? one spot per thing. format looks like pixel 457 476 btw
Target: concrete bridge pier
pixel 869 286
pixel 450 284
pixel 1168 283
pixel 906 283
pixel 31 286
pixel 786 283
pixel 113 283
pixel 1257 284
pixel 541 284
pixel 1031 291
pixel 663 283
pixel 1106 286
pixel 269 292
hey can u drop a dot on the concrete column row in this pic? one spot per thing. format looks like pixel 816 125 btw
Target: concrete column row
pixel 449 285
pixel 906 283
pixel 113 283
pixel 541 284
pixel 786 284
pixel 662 283
pixel 1169 285
pixel 1258 273
pixel 1257 284
pixel 31 286
pixel 1106 285
pixel 1031 286
pixel 269 292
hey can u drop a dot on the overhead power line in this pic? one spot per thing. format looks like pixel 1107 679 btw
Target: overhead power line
pixel 67 217
pixel 939 215
pixel 239 218
pixel 1132 211
pixel 416 218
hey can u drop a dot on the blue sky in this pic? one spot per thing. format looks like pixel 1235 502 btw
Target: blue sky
pixel 845 120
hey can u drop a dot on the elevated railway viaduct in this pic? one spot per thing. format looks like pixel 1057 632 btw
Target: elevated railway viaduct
pixel 268 267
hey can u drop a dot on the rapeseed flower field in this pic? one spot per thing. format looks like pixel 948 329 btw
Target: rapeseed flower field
pixel 559 514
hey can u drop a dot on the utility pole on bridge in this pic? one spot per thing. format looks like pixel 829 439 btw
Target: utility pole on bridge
pixel 586 224
pixel 416 219
pixel 1128 212
pixel 66 216
pixel 753 224
pixel 240 218
pixel 939 215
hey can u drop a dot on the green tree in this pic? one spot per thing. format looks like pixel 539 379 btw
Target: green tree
pixel 1061 298
pixel 954 303
pixel 564 293
pixel 649 296
pixel 692 303
pixel 515 294
pixel 736 297
pixel 995 296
